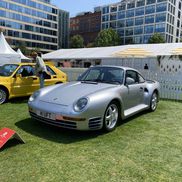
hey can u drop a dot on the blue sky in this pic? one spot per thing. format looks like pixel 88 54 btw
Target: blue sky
pixel 76 6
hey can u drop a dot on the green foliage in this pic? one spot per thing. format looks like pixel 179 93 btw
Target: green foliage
pixel 107 37
pixel 156 38
pixel 77 41
pixel 146 147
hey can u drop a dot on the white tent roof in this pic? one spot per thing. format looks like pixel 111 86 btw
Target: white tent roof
pixel 5 47
pixel 22 56
pixel 111 52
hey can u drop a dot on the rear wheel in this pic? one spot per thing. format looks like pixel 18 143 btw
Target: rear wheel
pixel 153 102
pixel 3 95
pixel 111 117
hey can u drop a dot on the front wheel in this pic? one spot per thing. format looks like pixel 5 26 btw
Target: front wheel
pixel 153 102
pixel 111 117
pixel 3 96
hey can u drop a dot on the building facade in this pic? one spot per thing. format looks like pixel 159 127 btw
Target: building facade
pixel 63 31
pixel 33 23
pixel 86 24
pixel 137 21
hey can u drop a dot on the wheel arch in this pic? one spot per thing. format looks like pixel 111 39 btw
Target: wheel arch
pixel 157 92
pixel 119 103
pixel 6 89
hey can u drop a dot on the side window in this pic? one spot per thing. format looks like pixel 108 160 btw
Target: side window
pixel 26 71
pixel 50 70
pixel 132 74
pixel 141 79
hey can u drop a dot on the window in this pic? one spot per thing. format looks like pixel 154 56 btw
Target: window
pixel 146 38
pixel 113 17
pixel 139 11
pixel 139 21
pixel 138 30
pixel 113 8
pixel 160 27
pixel 149 19
pixel 121 15
pixel 151 1
pixel 131 5
pixel 129 13
pixel 26 71
pixel 140 3
pixel 50 70
pixel 129 22
pixel 121 32
pixel 132 74
pixel 122 7
pixel 138 40
pixel 105 10
pixel 128 40
pixel 161 7
pixel 150 9
pixel 149 29
pixel 129 31
pixel 160 17
pixel 105 18
pixel 113 24
pixel 121 23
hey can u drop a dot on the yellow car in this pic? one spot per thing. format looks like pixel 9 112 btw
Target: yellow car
pixel 18 80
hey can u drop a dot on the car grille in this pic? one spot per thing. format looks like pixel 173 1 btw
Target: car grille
pixel 63 124
pixel 95 123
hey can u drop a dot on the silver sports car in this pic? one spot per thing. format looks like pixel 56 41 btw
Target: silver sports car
pixel 102 96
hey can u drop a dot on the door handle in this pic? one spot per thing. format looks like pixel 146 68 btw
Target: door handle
pixel 34 78
pixel 54 76
pixel 141 88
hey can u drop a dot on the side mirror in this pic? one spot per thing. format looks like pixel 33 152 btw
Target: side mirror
pixel 79 76
pixel 129 81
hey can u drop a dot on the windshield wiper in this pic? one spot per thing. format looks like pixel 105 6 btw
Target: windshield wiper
pixel 111 82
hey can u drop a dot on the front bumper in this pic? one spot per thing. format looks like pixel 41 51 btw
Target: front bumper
pixel 89 123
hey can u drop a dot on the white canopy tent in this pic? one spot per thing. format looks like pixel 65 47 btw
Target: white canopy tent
pixel 111 52
pixel 23 57
pixel 7 54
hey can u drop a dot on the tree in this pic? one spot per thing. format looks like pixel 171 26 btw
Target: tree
pixel 107 37
pixel 76 41
pixel 156 38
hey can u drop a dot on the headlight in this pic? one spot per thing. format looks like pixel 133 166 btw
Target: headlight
pixel 34 96
pixel 80 104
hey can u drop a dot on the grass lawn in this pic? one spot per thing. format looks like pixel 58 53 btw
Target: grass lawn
pixel 147 147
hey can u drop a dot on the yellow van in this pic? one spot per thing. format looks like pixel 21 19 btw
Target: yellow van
pixel 15 83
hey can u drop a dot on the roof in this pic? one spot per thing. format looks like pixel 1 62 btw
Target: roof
pixel 5 47
pixel 112 52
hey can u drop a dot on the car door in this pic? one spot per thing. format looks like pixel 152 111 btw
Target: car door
pixel 54 78
pixel 25 82
pixel 134 93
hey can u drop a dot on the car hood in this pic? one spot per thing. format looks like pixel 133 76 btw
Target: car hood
pixel 66 94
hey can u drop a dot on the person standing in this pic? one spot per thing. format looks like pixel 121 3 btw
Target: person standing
pixel 40 69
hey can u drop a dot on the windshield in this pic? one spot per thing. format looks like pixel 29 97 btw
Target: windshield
pixel 8 69
pixel 111 75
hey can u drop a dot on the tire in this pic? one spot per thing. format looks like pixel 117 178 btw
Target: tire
pixel 111 117
pixel 3 95
pixel 153 102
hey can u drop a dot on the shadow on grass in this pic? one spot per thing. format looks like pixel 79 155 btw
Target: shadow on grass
pixel 10 143
pixel 55 134
pixel 61 135
pixel 19 100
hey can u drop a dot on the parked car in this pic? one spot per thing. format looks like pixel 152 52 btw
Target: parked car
pixel 101 97
pixel 20 80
